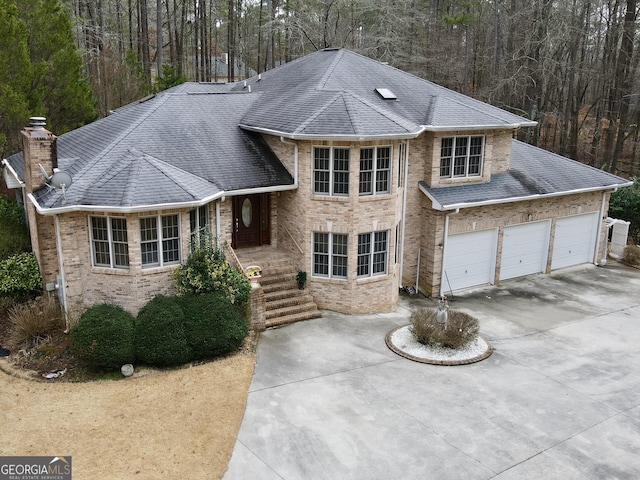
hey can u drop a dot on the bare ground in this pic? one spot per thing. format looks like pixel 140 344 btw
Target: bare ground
pixel 169 424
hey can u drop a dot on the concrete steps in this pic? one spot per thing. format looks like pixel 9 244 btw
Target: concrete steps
pixel 284 302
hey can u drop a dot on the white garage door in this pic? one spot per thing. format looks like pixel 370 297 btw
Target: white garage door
pixel 524 249
pixel 575 240
pixel 470 259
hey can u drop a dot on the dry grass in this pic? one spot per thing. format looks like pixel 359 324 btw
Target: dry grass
pixel 173 424
pixel 631 255
pixel 34 321
pixel 459 329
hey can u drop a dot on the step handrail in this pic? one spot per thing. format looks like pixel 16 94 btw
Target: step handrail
pixel 235 261
pixel 293 239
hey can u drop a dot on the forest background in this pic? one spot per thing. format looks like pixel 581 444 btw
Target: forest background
pixel 571 65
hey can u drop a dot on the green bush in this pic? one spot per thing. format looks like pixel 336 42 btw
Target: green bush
pixel 103 337
pixel 207 271
pixel 159 333
pixel 213 325
pixel 458 330
pixel 14 234
pixel 34 321
pixel 20 277
pixel 625 205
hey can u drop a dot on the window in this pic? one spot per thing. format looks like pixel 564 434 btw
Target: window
pixel 329 255
pixel 331 171
pixel 199 224
pixel 461 156
pixel 372 254
pixel 109 242
pixel 375 170
pixel 160 240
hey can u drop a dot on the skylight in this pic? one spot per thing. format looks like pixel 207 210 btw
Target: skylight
pixel 386 94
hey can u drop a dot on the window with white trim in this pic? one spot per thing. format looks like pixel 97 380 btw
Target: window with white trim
pixel 461 156
pixel 160 240
pixel 109 243
pixel 331 171
pixel 199 225
pixel 329 255
pixel 372 253
pixel 375 170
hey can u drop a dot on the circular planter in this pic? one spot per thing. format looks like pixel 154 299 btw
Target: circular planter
pixel 401 341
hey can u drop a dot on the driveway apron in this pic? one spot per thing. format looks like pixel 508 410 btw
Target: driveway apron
pixel 558 399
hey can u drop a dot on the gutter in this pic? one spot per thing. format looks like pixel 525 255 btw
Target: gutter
pixel 399 136
pixel 158 206
pixel 10 169
pixel 456 206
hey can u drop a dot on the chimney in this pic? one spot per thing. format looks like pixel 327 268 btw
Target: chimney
pixel 38 148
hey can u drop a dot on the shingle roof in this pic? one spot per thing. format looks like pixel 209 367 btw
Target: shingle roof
pixel 533 172
pixel 183 145
pixel 332 93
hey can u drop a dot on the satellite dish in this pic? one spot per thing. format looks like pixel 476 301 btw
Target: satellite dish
pixel 59 180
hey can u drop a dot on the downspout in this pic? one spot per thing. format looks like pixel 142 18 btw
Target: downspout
pixel 404 207
pixel 218 228
pixel 61 287
pixel 444 250
pixel 295 159
pixel 603 261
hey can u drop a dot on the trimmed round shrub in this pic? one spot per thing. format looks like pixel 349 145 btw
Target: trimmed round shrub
pixel 213 325
pixel 159 333
pixel 457 331
pixel 103 337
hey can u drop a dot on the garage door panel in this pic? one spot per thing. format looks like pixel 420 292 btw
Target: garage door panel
pixel 524 249
pixel 469 259
pixel 574 240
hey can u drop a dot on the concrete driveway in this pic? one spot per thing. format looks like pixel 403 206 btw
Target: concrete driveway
pixel 558 399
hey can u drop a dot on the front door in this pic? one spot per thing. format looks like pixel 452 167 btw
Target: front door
pixel 250 220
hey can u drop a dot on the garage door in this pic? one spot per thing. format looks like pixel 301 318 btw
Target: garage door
pixel 574 240
pixel 524 249
pixel 470 259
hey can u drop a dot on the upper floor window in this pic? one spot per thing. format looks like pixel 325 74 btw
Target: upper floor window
pixel 160 240
pixel 461 156
pixel 372 253
pixel 375 170
pixel 329 255
pixel 109 242
pixel 331 171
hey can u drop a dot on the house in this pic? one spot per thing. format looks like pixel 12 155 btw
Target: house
pixel 369 178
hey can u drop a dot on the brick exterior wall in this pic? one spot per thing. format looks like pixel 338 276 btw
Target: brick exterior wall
pixel 295 215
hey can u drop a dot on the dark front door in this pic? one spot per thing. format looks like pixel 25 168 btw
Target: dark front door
pixel 250 220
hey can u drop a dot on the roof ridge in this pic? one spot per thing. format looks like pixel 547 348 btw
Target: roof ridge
pixel 332 67
pixel 165 167
pixel 318 112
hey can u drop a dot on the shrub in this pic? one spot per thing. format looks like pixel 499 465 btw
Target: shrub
pixel 34 321
pixel 207 271
pixel 631 255
pixel 625 205
pixel 20 277
pixel 458 330
pixel 213 325
pixel 159 333
pixel 14 234
pixel 103 337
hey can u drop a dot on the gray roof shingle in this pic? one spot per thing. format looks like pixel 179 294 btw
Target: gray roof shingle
pixel 183 145
pixel 533 172
pixel 301 99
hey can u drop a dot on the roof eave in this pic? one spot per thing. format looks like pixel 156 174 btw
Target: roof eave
pixel 335 137
pixel 10 169
pixel 158 206
pixel 449 128
pixel 457 206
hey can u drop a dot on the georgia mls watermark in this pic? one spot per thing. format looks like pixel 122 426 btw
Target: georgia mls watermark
pixel 35 468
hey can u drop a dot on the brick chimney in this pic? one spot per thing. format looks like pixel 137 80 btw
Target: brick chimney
pixel 38 148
